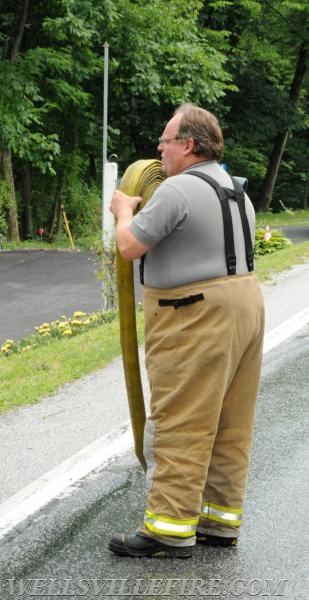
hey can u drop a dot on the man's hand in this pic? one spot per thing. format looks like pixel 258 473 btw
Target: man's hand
pixel 123 206
pixel 122 203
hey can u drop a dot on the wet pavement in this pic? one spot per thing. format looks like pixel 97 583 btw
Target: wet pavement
pixel 65 545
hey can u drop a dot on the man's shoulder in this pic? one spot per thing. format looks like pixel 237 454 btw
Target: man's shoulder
pixel 173 186
pixel 213 170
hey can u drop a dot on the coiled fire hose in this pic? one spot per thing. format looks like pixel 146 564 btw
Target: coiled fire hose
pixel 140 179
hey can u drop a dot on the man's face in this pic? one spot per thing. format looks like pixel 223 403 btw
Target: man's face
pixel 171 148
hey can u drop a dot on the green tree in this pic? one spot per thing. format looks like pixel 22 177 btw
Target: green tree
pixel 289 21
pixel 246 60
pixel 12 42
pixel 21 109
pixel 269 62
pixel 160 57
pixel 44 102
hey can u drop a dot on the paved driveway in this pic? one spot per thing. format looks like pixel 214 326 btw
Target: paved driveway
pixel 39 286
pixel 297 234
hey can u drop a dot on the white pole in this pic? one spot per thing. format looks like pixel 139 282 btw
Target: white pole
pixel 109 183
pixel 105 104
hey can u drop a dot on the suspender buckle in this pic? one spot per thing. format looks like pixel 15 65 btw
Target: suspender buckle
pixel 231 264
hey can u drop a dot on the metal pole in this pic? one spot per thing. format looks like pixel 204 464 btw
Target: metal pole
pixel 107 219
pixel 105 104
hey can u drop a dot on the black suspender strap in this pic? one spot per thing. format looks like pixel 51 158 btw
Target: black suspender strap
pixel 141 269
pixel 225 194
pixel 240 199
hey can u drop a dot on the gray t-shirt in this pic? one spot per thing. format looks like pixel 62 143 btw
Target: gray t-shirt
pixel 183 225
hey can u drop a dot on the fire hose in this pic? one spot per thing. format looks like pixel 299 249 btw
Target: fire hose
pixel 140 179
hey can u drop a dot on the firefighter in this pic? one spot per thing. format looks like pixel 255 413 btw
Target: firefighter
pixel 204 324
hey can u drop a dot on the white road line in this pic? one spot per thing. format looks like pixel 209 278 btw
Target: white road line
pixel 40 492
pixel 281 333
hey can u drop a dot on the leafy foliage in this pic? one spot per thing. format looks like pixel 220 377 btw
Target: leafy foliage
pixel 4 203
pixel 263 246
pixel 237 59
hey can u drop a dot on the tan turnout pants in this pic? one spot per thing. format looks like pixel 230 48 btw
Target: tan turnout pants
pixel 203 362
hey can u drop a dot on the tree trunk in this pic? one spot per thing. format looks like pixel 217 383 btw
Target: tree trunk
pixel 57 213
pixel 305 203
pixel 10 49
pixel 59 221
pixel 28 226
pixel 272 171
pixel 14 38
pixel 12 214
pixel 282 137
pixel 92 168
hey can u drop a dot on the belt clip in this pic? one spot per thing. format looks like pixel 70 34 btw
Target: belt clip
pixel 177 302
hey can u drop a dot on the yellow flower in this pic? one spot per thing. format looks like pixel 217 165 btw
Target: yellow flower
pixel 67 332
pixel 76 322
pixel 44 329
pixel 79 313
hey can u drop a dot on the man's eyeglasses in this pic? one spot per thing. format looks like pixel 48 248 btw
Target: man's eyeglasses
pixel 166 140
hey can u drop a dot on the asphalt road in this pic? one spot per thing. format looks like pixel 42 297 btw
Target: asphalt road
pixel 38 286
pixel 65 547
pixel 297 234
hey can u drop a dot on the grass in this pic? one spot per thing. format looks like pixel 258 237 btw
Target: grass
pixel 62 243
pixel 287 218
pixel 270 264
pixel 30 376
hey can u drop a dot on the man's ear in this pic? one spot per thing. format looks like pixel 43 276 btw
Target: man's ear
pixel 189 146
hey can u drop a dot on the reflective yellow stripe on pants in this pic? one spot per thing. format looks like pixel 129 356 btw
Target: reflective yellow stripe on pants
pixel 168 526
pixel 222 514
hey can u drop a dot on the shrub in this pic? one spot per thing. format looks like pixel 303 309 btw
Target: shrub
pixel 276 241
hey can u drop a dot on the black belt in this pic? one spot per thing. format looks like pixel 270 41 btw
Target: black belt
pixel 177 302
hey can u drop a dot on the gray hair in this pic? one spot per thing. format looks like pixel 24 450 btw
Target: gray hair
pixel 204 128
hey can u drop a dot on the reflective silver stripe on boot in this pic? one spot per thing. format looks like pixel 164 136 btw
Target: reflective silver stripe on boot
pixel 169 526
pixel 222 514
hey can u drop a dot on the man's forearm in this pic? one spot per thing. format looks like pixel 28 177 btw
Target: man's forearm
pixel 128 245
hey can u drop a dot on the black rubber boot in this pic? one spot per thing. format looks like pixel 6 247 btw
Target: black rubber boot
pixel 215 540
pixel 140 545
